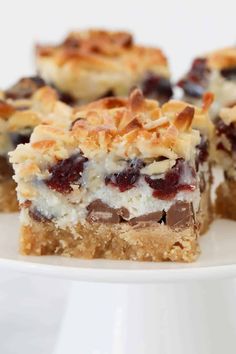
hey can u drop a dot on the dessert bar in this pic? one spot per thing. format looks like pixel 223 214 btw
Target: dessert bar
pixel 214 72
pixel 93 64
pixel 122 181
pixel 224 143
pixel 22 107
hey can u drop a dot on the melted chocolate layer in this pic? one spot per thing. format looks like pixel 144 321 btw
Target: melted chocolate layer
pixel 180 215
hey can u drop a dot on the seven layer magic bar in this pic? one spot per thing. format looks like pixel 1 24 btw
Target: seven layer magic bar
pixel 126 180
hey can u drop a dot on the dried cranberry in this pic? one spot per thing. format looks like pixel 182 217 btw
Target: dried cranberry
pixel 228 130
pixel 229 73
pixel 195 80
pixel 127 178
pixel 203 151
pixel 155 86
pixel 181 177
pixel 65 173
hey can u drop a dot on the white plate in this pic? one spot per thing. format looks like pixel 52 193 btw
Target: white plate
pixel 218 259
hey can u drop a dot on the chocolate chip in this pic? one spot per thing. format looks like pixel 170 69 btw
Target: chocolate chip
pixel 180 215
pixel 156 216
pixel 101 212
pixel 66 173
pixel 157 87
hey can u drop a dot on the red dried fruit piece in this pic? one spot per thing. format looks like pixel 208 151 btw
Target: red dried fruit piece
pixel 65 173
pixel 127 178
pixel 228 130
pixel 203 151
pixel 181 177
pixel 155 86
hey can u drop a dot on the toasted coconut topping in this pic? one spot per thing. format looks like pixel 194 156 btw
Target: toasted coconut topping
pixel 93 64
pixel 42 106
pixel 121 128
pixel 207 101
pixel 98 44
pixel 200 119
pixel 6 110
pixel 184 119
pixel 223 58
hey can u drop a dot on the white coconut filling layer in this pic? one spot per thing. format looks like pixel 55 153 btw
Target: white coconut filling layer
pixel 138 201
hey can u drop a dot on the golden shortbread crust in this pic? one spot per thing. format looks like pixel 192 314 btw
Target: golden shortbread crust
pixel 142 242
pixel 225 205
pixel 8 199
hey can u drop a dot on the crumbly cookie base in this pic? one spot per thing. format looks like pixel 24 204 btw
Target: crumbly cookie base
pixel 205 215
pixel 8 199
pixel 225 205
pixel 142 242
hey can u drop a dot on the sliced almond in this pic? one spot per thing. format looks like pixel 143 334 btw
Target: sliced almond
pixel 158 167
pixel 184 119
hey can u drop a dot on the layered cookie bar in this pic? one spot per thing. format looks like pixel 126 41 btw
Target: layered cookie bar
pixel 225 156
pixel 93 64
pixel 123 182
pixel 22 107
pixel 214 72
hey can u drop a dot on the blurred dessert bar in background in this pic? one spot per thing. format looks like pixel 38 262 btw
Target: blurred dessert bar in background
pixel 94 64
pixel 22 107
pixel 214 72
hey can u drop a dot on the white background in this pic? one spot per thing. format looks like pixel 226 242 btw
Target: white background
pixel 182 28
pixel 31 308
